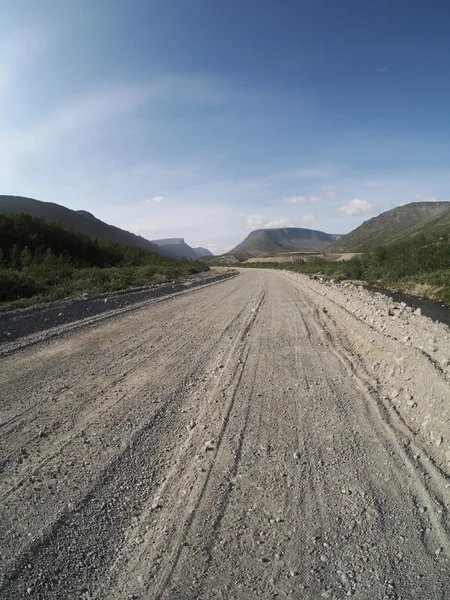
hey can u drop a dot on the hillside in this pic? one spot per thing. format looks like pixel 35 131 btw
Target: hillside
pixel 289 239
pixel 80 221
pixel 177 248
pixel 397 224
pixel 201 252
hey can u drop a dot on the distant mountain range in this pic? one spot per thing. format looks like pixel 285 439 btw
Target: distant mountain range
pixel 84 222
pixel 288 239
pixel 395 225
pixel 178 247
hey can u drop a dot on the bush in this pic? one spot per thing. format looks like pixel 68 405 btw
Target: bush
pixel 15 285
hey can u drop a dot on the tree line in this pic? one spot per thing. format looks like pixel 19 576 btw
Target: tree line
pixel 42 261
pixel 26 240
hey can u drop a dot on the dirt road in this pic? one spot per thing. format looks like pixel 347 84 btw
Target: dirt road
pixel 221 444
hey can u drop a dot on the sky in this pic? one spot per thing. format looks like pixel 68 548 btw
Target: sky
pixel 207 119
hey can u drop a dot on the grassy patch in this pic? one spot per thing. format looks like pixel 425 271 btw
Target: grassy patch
pixel 22 288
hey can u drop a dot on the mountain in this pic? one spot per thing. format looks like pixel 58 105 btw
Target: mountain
pixel 395 225
pixel 79 220
pixel 288 239
pixel 202 252
pixel 177 247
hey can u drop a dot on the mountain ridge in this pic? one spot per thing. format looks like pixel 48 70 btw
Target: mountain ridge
pixel 396 224
pixel 177 246
pixel 261 242
pixel 80 221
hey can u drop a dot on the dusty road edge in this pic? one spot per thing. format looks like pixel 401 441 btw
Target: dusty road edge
pixel 8 348
pixel 411 383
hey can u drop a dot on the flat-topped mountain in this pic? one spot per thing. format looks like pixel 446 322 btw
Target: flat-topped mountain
pixel 287 239
pixel 177 247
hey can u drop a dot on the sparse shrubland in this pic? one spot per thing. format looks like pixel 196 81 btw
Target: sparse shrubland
pixel 41 261
pixel 418 260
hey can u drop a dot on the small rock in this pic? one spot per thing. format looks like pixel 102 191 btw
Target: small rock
pixel 418 311
pixel 439 441
pixel 209 445
pixel 296 455
pixel 395 393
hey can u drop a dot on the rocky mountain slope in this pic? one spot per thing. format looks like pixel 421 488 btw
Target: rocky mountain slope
pixel 80 221
pixel 396 224
pixel 287 239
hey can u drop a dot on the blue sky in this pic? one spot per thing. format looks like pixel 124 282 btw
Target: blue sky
pixel 205 119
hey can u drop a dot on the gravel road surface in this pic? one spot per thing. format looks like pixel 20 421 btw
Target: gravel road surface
pixel 228 442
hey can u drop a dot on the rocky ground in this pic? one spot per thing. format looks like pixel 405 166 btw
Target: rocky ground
pixel 268 436
pixel 409 356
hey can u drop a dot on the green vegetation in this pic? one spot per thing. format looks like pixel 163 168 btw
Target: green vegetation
pixel 396 225
pixel 41 261
pixel 418 260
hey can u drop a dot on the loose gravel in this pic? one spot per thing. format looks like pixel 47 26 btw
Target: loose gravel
pixel 248 439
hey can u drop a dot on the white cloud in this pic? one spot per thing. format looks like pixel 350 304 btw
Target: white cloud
pixel 259 221
pixel 306 219
pixel 330 193
pixel 153 200
pixel 419 198
pixel 315 199
pixel 83 114
pixel 20 49
pixel 255 220
pixel 356 207
pixel 294 200
pixel 382 69
pixel 280 223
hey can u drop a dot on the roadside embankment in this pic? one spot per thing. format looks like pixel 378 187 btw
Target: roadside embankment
pixel 406 354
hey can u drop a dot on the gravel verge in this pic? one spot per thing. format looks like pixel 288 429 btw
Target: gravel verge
pixel 406 353
pixel 54 317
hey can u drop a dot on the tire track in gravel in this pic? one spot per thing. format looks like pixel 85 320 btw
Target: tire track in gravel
pixel 216 484
pixel 117 466
pixel 269 467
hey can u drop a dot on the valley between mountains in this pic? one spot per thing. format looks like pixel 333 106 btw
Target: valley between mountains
pixel 264 436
